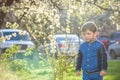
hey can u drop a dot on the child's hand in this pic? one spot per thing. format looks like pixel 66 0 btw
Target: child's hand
pixel 78 73
pixel 102 73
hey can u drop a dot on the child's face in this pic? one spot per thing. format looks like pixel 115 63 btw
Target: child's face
pixel 89 36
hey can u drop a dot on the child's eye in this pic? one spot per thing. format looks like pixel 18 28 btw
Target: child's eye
pixel 88 33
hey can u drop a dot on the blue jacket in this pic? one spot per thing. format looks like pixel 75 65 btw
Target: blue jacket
pixel 92 57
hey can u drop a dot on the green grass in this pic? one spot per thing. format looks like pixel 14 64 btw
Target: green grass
pixel 113 72
pixel 42 70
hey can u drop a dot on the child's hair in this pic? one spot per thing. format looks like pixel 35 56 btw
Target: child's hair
pixel 89 26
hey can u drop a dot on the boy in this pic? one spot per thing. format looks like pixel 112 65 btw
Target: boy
pixel 92 56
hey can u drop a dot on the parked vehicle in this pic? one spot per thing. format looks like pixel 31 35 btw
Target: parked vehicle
pixel 104 40
pixel 66 44
pixel 115 36
pixel 15 37
pixel 114 50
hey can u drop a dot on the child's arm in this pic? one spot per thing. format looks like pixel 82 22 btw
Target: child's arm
pixel 78 63
pixel 103 61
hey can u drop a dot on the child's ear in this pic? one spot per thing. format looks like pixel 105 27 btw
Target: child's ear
pixel 96 34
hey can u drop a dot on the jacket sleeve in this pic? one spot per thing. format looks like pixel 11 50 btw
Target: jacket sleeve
pixel 79 61
pixel 103 58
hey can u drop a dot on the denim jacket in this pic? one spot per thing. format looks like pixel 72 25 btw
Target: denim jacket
pixel 92 57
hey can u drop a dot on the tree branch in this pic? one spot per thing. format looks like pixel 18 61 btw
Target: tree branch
pixel 56 4
pixel 32 2
pixel 103 8
pixel 108 9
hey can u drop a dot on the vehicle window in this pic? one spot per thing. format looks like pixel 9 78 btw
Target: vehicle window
pixel 115 36
pixel 16 36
